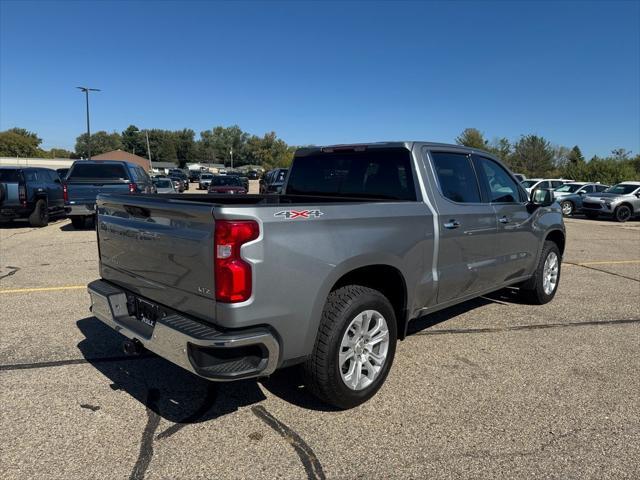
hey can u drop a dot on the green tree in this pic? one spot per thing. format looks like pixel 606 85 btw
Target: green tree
pixel 18 142
pixel 185 146
pixel 575 156
pixel 133 141
pixel 472 138
pixel 60 153
pixel 502 149
pixel 101 142
pixel 533 156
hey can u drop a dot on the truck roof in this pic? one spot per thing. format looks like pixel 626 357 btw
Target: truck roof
pixel 408 144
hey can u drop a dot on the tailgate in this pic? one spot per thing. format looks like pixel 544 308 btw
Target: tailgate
pixel 159 249
pixel 86 192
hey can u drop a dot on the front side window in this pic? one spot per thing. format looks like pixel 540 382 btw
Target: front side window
pixel 601 188
pixel 501 187
pixel 529 183
pixel 556 183
pixel 587 189
pixel 456 177
pixel 568 187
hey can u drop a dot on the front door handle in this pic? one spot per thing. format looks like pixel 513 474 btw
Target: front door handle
pixel 503 220
pixel 451 224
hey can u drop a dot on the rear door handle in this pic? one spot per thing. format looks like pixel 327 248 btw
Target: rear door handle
pixel 451 224
pixel 503 220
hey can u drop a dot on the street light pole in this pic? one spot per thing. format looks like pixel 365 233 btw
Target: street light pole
pixel 86 91
pixel 146 132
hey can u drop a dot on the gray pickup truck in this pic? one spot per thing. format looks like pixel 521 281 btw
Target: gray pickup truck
pixel 363 239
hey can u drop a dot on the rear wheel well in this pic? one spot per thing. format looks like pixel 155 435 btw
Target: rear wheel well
pixel 558 238
pixel 387 280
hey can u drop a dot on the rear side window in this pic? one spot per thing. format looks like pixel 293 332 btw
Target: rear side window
pixel 30 176
pixel 383 174
pixel 10 176
pixel 456 177
pixel 96 171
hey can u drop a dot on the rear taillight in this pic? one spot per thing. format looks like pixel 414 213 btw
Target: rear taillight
pixel 22 194
pixel 132 187
pixel 65 192
pixel 232 273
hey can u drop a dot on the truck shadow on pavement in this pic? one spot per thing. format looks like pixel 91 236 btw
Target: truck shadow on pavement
pixel 176 394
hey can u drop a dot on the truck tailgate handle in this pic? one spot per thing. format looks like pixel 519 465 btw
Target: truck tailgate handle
pixel 451 224
pixel 138 212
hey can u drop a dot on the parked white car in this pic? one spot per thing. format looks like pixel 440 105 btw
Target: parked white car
pixel 531 184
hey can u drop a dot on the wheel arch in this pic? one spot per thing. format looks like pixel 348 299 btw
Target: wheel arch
pixel 386 279
pixel 558 237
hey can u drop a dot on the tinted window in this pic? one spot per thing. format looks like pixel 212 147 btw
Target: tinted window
pixel 163 183
pixel 568 188
pixel 622 189
pixel 93 171
pixel 377 173
pixel 226 180
pixel 501 187
pixel 588 189
pixel 12 176
pixel 30 176
pixel 529 183
pixel 556 183
pixel 601 188
pixel 456 177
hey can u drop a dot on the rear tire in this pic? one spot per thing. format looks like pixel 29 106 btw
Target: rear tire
pixel 591 215
pixel 40 215
pixel 543 285
pixel 341 347
pixel 622 213
pixel 78 222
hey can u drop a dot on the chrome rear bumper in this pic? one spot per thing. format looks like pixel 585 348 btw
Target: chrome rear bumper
pixel 190 344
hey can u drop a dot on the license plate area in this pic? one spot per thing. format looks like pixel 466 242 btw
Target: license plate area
pixel 146 312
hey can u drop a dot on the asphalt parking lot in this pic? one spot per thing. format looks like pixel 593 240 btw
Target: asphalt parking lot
pixel 491 388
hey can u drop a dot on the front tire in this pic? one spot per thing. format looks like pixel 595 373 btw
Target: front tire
pixel 622 213
pixel 543 285
pixel 567 208
pixel 40 216
pixel 354 349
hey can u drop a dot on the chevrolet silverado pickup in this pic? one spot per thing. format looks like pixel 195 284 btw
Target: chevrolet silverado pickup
pixel 363 239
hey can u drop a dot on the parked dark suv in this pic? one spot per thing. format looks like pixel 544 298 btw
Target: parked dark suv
pixel 33 193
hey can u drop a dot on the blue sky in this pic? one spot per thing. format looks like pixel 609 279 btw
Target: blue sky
pixel 320 73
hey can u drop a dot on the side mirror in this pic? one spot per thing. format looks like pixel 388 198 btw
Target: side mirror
pixel 542 197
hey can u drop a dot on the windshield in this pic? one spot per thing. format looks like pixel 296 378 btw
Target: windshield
pixel 529 183
pixel 622 189
pixel 97 171
pixel 569 187
pixel 206 176
pixel 163 183
pixel 11 176
pixel 226 181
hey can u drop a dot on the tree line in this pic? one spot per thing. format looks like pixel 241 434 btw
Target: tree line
pixel 535 157
pixel 531 155
pixel 180 147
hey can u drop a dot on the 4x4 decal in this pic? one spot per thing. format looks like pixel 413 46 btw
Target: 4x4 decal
pixel 293 214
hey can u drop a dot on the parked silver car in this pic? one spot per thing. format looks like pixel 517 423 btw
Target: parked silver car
pixel 622 202
pixel 205 181
pixel 570 195
pixel 164 185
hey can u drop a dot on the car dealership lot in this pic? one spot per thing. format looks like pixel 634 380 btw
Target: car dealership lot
pixel 490 388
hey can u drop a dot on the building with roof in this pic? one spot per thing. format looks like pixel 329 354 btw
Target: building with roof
pixel 123 156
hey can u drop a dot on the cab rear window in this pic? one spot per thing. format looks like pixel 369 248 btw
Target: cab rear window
pixel 93 171
pixel 383 174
